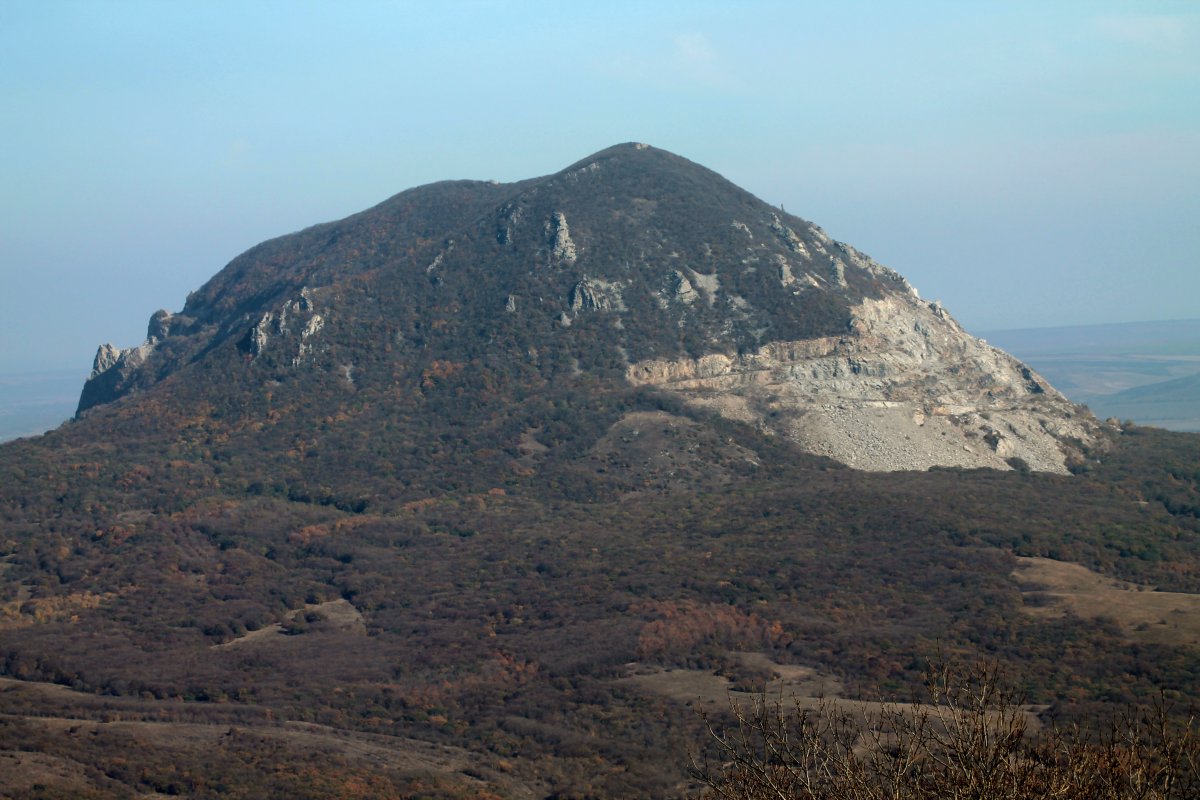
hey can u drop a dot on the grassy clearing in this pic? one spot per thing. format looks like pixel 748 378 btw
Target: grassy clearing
pixel 338 614
pixel 1058 588
pixel 793 686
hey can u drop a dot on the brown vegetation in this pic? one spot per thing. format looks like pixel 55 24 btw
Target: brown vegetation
pixel 969 739
pixel 504 623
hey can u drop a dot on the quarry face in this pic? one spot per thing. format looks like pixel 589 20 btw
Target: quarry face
pixel 905 388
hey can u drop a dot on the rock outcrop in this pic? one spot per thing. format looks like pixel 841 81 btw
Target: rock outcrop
pixel 564 246
pixel 118 372
pixel 115 370
pixel 905 388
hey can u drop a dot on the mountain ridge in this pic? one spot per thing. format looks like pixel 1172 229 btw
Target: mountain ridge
pixel 632 256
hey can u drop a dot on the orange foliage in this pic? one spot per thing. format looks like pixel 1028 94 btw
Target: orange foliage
pixel 439 370
pixel 420 505
pixel 683 626
pixel 310 532
pixel 499 671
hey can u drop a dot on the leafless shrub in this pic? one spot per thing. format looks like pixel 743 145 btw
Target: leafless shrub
pixel 970 739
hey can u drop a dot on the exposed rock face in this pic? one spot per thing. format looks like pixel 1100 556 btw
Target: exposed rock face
pixel 258 337
pixel 295 322
pixel 592 294
pixel 118 372
pixel 905 388
pixel 838 274
pixel 160 325
pixel 788 236
pixel 564 247
pixel 106 357
pixel 115 370
pixel 680 288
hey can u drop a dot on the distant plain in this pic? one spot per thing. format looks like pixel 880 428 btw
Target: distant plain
pixel 32 403
pixel 1145 372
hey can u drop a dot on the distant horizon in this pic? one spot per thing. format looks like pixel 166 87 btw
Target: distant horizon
pixel 1090 325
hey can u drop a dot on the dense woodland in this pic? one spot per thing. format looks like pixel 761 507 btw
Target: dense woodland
pixel 500 612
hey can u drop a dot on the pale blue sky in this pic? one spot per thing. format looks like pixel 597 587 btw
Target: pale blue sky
pixel 1028 163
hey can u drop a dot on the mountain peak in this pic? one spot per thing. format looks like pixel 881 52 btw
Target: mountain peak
pixel 633 267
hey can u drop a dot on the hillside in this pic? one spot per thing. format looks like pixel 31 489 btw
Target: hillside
pixel 465 495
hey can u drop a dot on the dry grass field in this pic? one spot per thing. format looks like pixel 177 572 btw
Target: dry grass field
pixel 792 686
pixel 339 614
pixel 1056 588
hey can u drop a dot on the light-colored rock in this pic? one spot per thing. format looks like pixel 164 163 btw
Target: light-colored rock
pixel 865 262
pixel 564 247
pixel 575 174
pixel 301 305
pixel 110 357
pixel 160 326
pixel 788 236
pixel 681 288
pixel 905 388
pixel 311 328
pixel 106 358
pixel 786 278
pixel 294 324
pixel 582 296
pixel 260 334
pixel 837 273
pixel 708 285
pixel 593 294
pixel 511 216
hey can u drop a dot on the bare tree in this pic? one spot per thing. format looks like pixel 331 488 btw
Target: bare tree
pixel 970 739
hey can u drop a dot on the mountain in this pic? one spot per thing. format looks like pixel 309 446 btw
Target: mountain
pixel 631 266
pixel 488 490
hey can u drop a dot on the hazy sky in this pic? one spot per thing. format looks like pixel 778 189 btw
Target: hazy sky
pixel 1028 163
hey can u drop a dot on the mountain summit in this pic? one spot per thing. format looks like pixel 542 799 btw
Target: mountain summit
pixel 631 268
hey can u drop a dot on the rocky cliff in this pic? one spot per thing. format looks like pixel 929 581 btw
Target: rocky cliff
pixel 904 388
